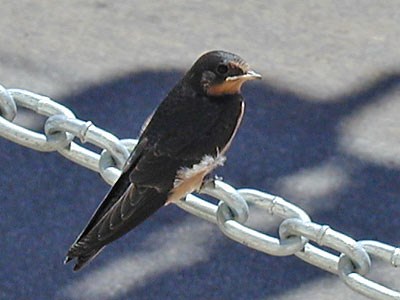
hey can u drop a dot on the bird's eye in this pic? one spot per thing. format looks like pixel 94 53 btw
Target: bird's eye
pixel 222 69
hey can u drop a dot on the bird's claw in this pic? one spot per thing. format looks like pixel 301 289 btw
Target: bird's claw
pixel 209 182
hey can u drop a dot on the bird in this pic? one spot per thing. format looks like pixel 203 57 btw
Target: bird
pixel 181 143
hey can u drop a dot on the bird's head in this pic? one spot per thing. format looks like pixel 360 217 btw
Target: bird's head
pixel 219 73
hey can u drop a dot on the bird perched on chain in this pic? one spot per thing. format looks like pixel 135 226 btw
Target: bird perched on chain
pixel 183 141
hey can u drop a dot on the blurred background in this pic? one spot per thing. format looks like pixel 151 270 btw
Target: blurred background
pixel 322 130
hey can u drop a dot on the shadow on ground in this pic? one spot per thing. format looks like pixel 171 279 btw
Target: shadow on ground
pixel 46 200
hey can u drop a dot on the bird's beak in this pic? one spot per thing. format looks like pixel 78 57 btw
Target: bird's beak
pixel 232 84
pixel 249 75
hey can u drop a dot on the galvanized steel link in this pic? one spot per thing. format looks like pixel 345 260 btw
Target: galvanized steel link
pixel 108 167
pixel 87 132
pixel 286 245
pixel 8 108
pixel 325 236
pixel 295 232
pixel 26 137
pixel 362 284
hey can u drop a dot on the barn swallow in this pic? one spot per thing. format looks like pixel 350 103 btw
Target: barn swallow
pixel 184 140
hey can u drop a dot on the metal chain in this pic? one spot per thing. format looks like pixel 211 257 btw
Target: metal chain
pixel 295 231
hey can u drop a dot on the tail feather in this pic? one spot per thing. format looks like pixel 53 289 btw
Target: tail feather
pixel 83 259
pixel 133 208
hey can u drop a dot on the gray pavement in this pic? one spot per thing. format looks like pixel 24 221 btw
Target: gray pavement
pixel 322 130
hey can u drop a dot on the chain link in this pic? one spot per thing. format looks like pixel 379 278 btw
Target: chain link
pixel 296 230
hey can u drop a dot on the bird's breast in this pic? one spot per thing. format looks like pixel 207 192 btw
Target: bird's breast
pixel 188 180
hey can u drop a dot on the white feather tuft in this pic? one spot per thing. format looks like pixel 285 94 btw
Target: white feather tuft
pixel 206 165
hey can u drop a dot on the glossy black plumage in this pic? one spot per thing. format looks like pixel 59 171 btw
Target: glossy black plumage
pixel 197 119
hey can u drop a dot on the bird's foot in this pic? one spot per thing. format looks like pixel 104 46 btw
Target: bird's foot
pixel 209 182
